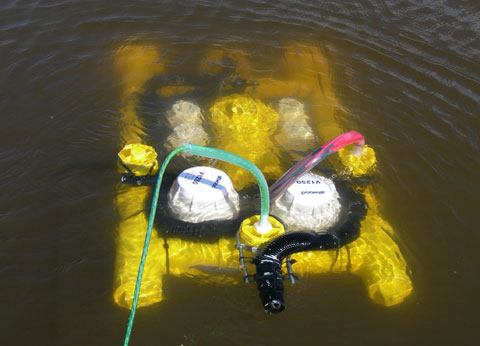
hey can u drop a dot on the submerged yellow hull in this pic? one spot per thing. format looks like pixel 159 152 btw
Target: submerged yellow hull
pixel 374 256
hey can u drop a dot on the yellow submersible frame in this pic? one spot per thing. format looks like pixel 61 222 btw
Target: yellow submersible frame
pixel 244 125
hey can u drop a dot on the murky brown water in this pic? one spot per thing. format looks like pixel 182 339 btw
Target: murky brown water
pixel 406 74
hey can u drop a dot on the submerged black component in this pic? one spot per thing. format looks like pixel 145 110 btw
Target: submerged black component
pixel 207 231
pixel 138 180
pixel 269 262
pixel 270 283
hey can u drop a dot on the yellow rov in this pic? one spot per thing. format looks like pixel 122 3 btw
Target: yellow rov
pixel 242 123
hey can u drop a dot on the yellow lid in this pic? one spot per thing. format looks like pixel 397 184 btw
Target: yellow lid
pixel 139 158
pixel 251 237
pixel 358 165
pixel 244 125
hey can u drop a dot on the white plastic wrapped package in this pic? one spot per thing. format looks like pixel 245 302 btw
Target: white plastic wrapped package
pixel 202 194
pixel 311 203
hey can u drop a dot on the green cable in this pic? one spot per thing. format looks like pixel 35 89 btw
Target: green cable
pixel 212 153
pixel 147 242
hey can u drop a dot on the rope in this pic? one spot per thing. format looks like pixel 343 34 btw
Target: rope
pixel 146 243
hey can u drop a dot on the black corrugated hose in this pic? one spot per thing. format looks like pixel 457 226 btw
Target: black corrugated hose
pixel 269 262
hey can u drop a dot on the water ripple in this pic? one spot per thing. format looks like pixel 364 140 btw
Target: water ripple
pixel 405 74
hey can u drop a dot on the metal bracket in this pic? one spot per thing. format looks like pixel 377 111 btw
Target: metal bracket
pixel 291 276
pixel 240 247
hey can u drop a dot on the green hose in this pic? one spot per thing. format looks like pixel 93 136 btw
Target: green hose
pixel 205 152
pixel 146 243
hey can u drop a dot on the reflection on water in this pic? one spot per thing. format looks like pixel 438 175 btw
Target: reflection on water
pixel 404 74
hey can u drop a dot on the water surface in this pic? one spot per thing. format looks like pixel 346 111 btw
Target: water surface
pixel 406 75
